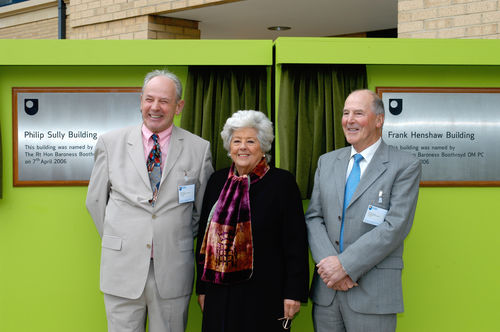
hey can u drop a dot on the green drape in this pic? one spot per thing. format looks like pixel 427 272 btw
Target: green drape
pixel 1 166
pixel 213 93
pixel 311 102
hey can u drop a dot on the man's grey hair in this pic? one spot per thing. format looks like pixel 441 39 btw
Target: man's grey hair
pixel 250 119
pixel 167 74
pixel 377 103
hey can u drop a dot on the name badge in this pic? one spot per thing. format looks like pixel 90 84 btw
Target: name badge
pixel 374 215
pixel 186 193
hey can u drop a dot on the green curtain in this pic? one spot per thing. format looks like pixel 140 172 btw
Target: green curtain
pixel 213 93
pixel 1 166
pixel 311 102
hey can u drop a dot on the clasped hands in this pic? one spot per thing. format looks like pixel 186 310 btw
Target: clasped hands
pixel 333 274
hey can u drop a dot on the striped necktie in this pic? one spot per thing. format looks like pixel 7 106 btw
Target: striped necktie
pixel 154 168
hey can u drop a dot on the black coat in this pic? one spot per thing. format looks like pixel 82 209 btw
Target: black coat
pixel 281 268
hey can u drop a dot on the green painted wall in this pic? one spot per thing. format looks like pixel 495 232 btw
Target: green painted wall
pixel 388 51
pixel 135 52
pixel 49 247
pixel 450 279
pixel 50 250
pixel 451 269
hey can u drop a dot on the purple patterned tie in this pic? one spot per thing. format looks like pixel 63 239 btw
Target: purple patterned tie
pixel 154 168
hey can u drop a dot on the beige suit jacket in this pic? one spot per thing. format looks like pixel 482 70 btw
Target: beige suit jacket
pixel 117 199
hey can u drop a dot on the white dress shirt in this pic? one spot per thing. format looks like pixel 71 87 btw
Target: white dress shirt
pixel 367 154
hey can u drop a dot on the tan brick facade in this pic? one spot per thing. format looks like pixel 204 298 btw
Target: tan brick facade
pixel 140 27
pixel 36 19
pixel 101 19
pixel 449 19
pixel 148 19
pixel 43 29
pixel 139 19
pixel 85 12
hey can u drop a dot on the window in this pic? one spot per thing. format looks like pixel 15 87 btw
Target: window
pixel 9 2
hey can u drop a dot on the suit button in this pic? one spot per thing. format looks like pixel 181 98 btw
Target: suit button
pixel 339 217
pixel 153 216
pixel 148 245
pixel 337 242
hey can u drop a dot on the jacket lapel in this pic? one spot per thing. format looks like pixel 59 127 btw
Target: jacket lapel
pixel 374 170
pixel 136 154
pixel 174 150
pixel 340 170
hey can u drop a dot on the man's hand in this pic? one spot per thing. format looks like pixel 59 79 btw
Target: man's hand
pixel 344 284
pixel 330 270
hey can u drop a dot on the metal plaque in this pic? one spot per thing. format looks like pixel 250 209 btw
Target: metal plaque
pixel 454 132
pixel 57 129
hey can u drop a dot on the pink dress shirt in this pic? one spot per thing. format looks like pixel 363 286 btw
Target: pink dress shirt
pixel 148 143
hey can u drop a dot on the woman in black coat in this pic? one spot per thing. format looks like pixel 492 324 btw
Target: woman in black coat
pixel 253 267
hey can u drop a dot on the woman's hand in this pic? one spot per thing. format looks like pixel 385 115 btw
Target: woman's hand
pixel 291 307
pixel 201 301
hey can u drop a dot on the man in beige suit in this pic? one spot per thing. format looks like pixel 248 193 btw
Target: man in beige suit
pixel 147 226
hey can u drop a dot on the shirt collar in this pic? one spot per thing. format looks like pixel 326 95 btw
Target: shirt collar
pixel 369 152
pixel 146 133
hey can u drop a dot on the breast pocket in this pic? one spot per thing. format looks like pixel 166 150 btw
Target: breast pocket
pixel 111 242
pixel 381 199
pixel 186 180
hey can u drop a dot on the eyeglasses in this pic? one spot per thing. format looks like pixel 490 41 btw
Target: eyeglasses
pixel 287 322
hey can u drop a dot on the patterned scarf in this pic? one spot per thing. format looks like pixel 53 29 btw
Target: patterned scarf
pixel 227 248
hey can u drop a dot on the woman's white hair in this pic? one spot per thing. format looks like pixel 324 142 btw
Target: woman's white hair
pixel 250 119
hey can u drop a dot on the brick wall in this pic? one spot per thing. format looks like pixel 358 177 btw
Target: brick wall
pixel 139 19
pixel 44 29
pixel 449 19
pixel 140 27
pixel 101 19
pixel 172 28
pixel 35 19
pixel 85 12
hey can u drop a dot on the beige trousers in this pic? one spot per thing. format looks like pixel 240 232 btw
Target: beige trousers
pixel 129 315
